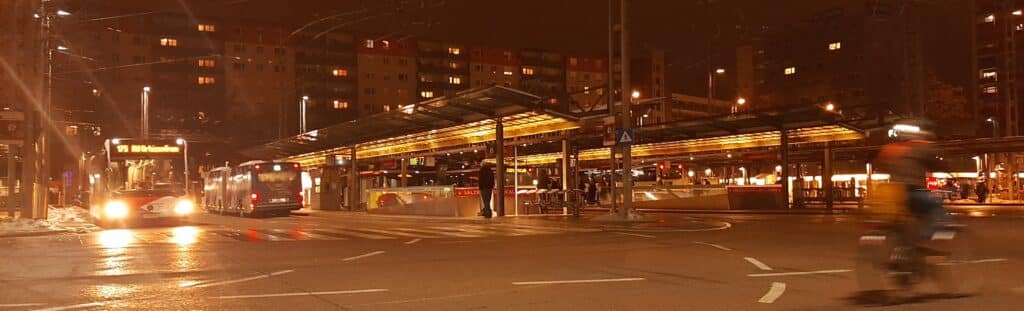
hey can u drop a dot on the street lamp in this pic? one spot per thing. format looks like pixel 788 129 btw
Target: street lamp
pixel 739 102
pixel 720 70
pixel 144 118
pixel 302 114
pixel 635 95
pixel 830 107
pixel 711 83
pixel 995 126
pixel 63 13
pixel 184 143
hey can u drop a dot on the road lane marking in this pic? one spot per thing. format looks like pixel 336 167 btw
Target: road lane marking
pixel 363 256
pixel 634 234
pixel 439 233
pixel 72 307
pixel 357 234
pixel 390 232
pixel 714 245
pixel 758 263
pixel 989 260
pixel 413 241
pixel 339 292
pixel 21 305
pixel 799 273
pixel 773 293
pixel 578 281
pixel 252 278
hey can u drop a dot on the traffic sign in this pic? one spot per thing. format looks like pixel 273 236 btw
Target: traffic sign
pixel 12 124
pixel 624 137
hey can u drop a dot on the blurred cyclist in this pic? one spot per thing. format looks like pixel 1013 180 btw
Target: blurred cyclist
pixel 908 159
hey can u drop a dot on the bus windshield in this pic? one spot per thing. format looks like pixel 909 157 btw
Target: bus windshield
pixel 146 174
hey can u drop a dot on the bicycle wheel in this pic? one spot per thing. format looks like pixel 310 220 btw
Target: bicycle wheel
pixel 959 273
pixel 876 270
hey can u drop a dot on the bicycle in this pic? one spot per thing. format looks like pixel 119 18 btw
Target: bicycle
pixel 892 261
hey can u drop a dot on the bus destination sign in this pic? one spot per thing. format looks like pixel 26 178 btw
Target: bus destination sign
pixel 158 149
pixel 138 148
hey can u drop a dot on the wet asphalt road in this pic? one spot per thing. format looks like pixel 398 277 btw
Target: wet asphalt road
pixel 348 262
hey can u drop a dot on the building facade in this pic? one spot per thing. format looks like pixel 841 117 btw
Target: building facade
pixel 998 27
pixel 387 75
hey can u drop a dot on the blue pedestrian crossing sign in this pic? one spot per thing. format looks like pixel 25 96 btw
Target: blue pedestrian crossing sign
pixel 624 137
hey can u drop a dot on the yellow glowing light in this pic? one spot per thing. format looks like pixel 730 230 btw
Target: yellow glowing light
pixel 185 235
pixel 116 238
pixel 115 210
pixel 184 207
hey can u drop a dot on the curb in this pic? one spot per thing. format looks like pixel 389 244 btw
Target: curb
pixel 36 233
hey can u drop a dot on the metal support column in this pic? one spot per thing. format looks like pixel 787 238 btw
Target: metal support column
pixel 404 178
pixel 826 176
pixel 611 100
pixel 784 155
pixel 354 193
pixel 499 172
pixel 566 178
pixel 11 180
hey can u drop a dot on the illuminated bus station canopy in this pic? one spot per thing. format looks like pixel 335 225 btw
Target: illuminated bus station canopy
pixel 468 119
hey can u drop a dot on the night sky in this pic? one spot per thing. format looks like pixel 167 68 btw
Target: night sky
pixel 580 26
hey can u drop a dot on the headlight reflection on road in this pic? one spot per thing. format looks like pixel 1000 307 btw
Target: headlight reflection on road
pixel 116 238
pixel 107 292
pixel 184 236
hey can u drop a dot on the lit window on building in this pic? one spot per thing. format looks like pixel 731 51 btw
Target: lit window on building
pixel 1019 27
pixel 205 63
pixel 508 72
pixel 988 75
pixel 586 90
pixel 368 44
pixel 385 44
pixel 991 18
pixel 835 46
pixel 454 80
pixel 427 94
pixel 204 80
pixel 573 61
pixel 454 51
pixel 990 90
pixel 339 72
pixel 168 42
pixel 340 104
pixel 453 65
pixel 387 108
pixel 528 71
pixel 790 71
pixel 206 28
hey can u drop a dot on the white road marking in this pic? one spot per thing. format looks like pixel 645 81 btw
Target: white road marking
pixel 773 293
pixel 359 234
pixel 714 245
pixel 252 278
pixel 758 263
pixel 20 305
pixel 635 234
pixel 799 273
pixel 72 307
pixel 578 281
pixel 363 256
pixel 990 260
pixel 391 232
pixel 340 292
pixel 413 241
pixel 439 233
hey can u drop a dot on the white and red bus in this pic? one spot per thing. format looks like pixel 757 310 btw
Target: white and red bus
pixel 132 180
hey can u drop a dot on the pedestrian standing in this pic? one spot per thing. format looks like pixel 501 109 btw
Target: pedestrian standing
pixel 981 189
pixel 965 190
pixel 486 186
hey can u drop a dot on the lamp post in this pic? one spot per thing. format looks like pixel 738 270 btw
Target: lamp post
pixel 739 103
pixel 302 114
pixel 711 83
pixel 144 117
pixel 995 126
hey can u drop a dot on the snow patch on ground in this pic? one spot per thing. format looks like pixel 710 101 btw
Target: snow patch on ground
pixel 60 219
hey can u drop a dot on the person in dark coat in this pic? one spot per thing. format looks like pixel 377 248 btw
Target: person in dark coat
pixel 981 189
pixel 486 186
pixel 965 190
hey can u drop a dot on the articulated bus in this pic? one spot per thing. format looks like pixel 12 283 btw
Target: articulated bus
pixel 133 180
pixel 254 188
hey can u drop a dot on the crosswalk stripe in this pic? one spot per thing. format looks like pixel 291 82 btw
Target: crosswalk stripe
pixel 307 235
pixel 476 231
pixel 232 235
pixel 349 233
pixel 443 233
pixel 509 231
pixel 397 233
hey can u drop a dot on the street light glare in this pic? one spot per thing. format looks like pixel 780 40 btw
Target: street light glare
pixel 990 120
pixel 305 97
pixel 830 107
pixel 180 141
pixel 636 94
pixel 741 101
pixel 63 13
pixel 720 70
pixel 145 89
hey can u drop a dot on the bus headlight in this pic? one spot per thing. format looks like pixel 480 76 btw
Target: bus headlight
pixel 184 207
pixel 115 210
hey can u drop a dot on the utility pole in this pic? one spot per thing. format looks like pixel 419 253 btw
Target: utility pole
pixel 611 100
pixel 626 120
